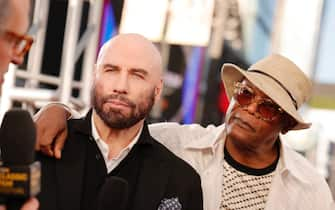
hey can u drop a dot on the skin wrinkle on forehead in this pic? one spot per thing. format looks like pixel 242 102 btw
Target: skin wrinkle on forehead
pixel 138 45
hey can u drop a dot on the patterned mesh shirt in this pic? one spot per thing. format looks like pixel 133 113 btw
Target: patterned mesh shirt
pixel 244 187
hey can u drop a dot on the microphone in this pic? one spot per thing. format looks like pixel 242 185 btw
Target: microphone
pixel 113 194
pixel 19 175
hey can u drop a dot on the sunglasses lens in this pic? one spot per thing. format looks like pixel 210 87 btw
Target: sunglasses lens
pixel 244 97
pixel 268 110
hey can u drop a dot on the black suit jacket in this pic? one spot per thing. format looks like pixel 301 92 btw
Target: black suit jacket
pixel 162 175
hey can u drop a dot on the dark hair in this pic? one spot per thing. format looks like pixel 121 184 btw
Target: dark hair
pixel 4 11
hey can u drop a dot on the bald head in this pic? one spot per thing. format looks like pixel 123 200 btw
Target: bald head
pixel 132 50
pixel 127 81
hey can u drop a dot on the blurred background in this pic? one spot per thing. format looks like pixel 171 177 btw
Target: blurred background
pixel 195 38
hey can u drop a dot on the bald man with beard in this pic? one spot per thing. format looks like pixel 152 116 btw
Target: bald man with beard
pixel 113 139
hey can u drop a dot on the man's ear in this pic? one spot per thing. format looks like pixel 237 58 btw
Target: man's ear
pixel 158 90
pixel 284 130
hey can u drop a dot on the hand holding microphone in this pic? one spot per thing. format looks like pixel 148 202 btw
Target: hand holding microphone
pixel 19 174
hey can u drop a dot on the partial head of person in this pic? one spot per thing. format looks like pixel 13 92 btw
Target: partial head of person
pixel 127 80
pixel 265 99
pixel 14 23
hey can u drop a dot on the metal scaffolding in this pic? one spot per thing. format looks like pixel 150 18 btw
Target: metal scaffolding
pixel 31 94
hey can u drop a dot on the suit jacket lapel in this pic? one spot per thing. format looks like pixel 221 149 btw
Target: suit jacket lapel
pixel 151 185
pixel 70 169
pixel 153 177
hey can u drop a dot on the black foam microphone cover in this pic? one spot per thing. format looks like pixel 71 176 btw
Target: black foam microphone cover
pixel 17 138
pixel 19 174
pixel 113 194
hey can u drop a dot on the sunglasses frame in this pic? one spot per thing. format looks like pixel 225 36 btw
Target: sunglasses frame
pixel 238 87
pixel 19 38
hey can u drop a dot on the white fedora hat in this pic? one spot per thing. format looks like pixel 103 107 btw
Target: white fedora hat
pixel 277 77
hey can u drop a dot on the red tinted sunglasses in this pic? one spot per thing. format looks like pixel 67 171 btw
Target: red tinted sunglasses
pixel 266 108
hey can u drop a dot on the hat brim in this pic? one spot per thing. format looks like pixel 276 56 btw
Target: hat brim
pixel 231 73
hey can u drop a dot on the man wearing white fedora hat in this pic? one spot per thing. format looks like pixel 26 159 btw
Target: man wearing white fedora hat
pixel 243 163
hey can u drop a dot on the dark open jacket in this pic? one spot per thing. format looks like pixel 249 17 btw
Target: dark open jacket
pixel 154 174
